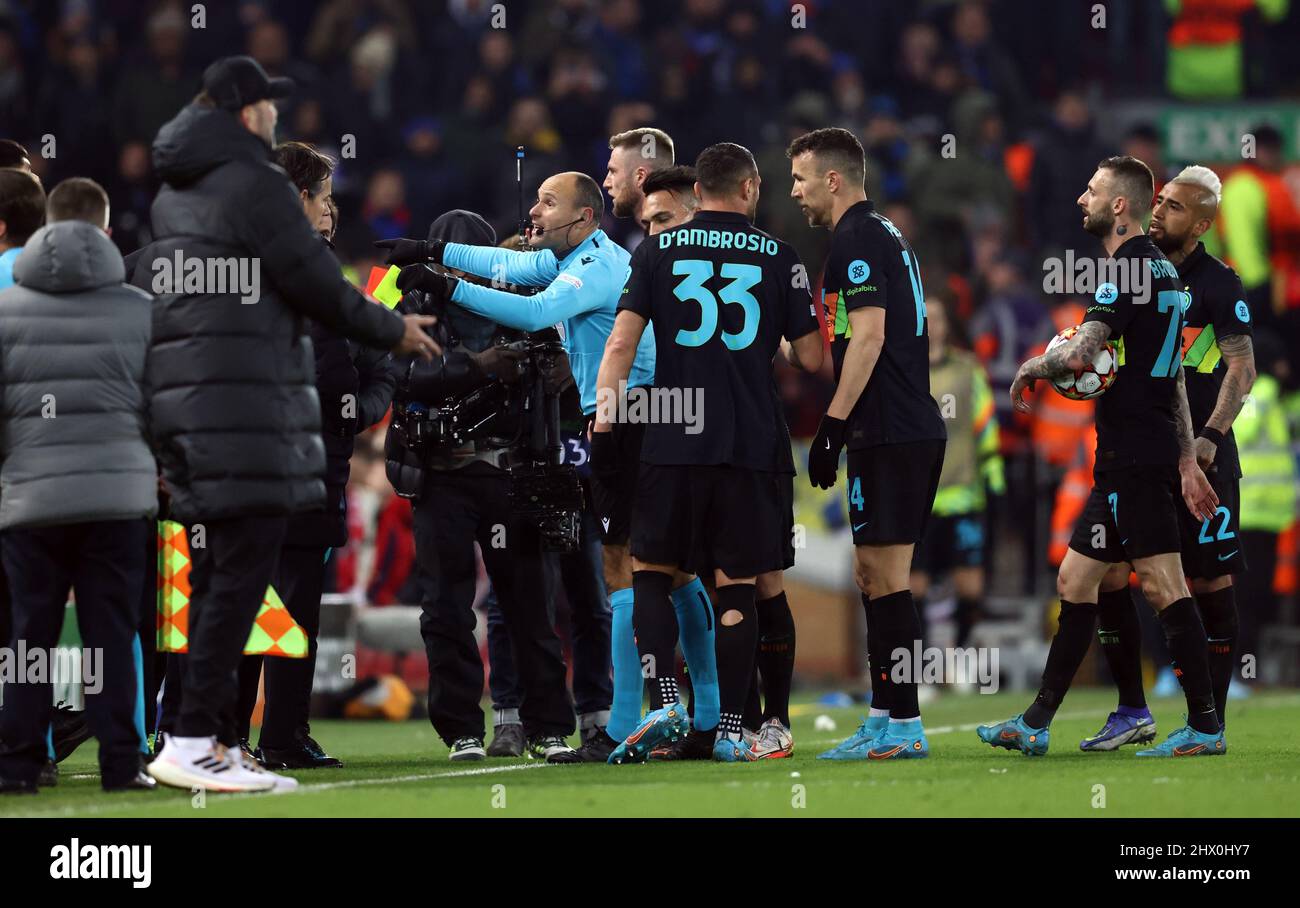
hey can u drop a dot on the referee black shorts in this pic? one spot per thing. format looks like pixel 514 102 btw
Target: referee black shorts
pixel 702 518
pixel 613 485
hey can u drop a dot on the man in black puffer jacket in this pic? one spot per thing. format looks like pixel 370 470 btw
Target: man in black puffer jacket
pixel 234 414
pixel 355 385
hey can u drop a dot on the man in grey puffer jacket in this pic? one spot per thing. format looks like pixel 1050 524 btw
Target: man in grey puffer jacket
pixel 78 486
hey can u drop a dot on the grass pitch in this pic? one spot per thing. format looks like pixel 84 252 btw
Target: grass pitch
pixel 402 770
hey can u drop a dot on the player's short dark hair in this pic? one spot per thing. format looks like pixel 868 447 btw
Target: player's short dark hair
pixel 1133 179
pixel 721 168
pixel 587 194
pixel 662 145
pixel 13 155
pixel 22 205
pixel 307 168
pixel 835 149
pixel 677 180
pixel 77 199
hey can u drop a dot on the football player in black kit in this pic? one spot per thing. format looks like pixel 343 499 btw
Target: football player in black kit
pixel 1219 362
pixel 721 297
pixel 883 413
pixel 1146 460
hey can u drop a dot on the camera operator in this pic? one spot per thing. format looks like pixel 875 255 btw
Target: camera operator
pixel 582 272
pixel 461 492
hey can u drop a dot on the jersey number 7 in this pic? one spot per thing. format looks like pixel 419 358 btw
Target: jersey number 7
pixel 1175 303
pixel 691 287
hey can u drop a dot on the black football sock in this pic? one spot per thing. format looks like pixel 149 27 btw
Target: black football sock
pixel 920 603
pixel 1069 646
pixel 968 609
pixel 901 628
pixel 736 644
pixel 1120 636
pixel 752 718
pixel 776 655
pixel 654 623
pixel 1190 654
pixel 1219 614
pixel 877 664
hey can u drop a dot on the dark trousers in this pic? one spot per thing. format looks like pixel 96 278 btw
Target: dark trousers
pixel 300 580
pixel 103 563
pixel 456 509
pixel 228 579
pixel 581 575
pixel 152 661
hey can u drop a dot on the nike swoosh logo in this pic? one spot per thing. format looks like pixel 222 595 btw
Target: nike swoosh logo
pixel 1191 751
pixel 828 444
pixel 1009 735
pixel 1227 556
pixel 884 754
pixel 858 526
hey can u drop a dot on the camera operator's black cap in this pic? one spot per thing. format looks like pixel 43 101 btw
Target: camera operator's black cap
pixel 461 226
pixel 234 82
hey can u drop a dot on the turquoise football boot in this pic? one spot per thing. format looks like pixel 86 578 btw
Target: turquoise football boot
pixel 662 726
pixel 729 750
pixel 901 741
pixel 856 745
pixel 1188 742
pixel 1014 734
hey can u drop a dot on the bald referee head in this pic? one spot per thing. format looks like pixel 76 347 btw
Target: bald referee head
pixel 568 210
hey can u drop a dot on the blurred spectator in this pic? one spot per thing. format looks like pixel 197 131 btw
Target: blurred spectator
pixel 1268 486
pixel 1205 45
pixel 1143 142
pixel 970 188
pixel 340 26
pixel 983 62
pixel 153 88
pixel 75 108
pixel 1261 229
pixel 132 190
pixel 1065 157
pixel 1010 323
pixel 268 44
pixel 14 106
pixel 429 177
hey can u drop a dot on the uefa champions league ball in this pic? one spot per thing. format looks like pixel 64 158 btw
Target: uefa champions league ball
pixel 1093 379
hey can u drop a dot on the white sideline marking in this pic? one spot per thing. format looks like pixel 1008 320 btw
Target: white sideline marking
pixel 72 811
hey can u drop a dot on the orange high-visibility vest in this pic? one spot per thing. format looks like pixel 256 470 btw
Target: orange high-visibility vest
pixel 1072 495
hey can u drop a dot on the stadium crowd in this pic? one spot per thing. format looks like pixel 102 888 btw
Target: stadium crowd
pixel 421 106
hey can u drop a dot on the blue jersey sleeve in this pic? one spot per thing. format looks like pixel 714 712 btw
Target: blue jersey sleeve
pixel 578 289
pixel 526 269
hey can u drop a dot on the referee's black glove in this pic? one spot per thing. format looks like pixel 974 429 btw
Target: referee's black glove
pixel 440 287
pixel 824 455
pixel 412 252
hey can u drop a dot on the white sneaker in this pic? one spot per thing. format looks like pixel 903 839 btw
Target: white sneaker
pixel 192 763
pixel 249 765
pixel 774 741
pixel 750 738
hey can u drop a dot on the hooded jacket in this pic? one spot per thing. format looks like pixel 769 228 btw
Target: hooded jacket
pixel 234 415
pixel 73 342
